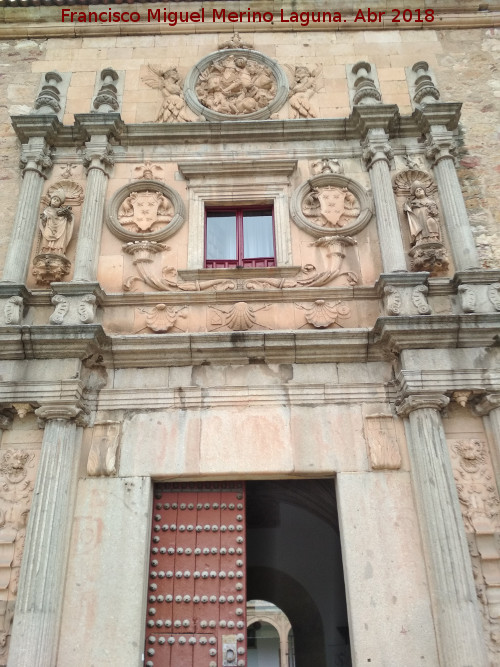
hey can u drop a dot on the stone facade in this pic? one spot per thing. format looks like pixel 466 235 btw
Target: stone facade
pixel 363 352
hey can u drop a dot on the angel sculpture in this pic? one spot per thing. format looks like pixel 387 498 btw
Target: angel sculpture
pixel 173 108
pixel 303 85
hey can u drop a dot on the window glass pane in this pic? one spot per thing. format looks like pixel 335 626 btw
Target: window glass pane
pixel 221 236
pixel 258 234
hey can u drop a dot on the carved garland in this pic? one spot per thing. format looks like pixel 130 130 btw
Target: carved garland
pixel 331 203
pixel 145 210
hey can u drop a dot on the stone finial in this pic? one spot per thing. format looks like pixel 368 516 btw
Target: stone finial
pixel 364 86
pixel 106 99
pixel 49 97
pixel 425 90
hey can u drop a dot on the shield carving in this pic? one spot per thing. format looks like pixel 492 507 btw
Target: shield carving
pixel 145 206
pixel 332 207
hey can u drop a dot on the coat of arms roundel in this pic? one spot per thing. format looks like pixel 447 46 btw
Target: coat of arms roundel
pixel 145 210
pixel 331 204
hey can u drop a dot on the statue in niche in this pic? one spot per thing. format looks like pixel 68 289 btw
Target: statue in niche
pixel 145 211
pixel 331 206
pixel 421 211
pixel 56 224
pixel 303 85
pixel 173 108
pixel 56 227
pixel 423 215
pixel 236 85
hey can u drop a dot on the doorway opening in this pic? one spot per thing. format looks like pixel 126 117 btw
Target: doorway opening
pixel 269 636
pixel 294 562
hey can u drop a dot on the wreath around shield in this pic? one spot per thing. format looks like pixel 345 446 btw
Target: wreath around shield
pixel 343 204
pixel 134 190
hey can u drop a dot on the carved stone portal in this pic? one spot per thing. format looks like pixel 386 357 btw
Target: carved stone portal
pixel 422 217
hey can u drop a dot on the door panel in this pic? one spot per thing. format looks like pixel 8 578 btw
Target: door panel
pixel 196 597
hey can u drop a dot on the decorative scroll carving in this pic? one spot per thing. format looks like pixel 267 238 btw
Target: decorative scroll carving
pixel 38 160
pixel 98 156
pixel 87 308
pixel 322 314
pixel 236 84
pixel 235 43
pixel 149 171
pixel 480 506
pixel 103 451
pixel 17 473
pixel 419 299
pixel 330 202
pixel 168 82
pixel 303 86
pixel 56 229
pixel 61 309
pixel 392 300
pixel 239 317
pixel 13 310
pixel 494 295
pixel 467 295
pixel 145 210
pixel 326 165
pixel 383 447
pixel 163 318
pixel 422 215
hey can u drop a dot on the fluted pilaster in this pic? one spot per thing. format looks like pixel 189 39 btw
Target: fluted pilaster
pixel 377 153
pixel 37 617
pixel 439 151
pixel 36 160
pixel 458 626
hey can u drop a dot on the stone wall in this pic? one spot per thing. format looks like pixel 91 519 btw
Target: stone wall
pixel 464 61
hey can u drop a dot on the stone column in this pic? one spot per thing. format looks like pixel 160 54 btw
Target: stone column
pixel 377 155
pixel 489 406
pixel 36 160
pixel 37 616
pixel 459 632
pixel 440 144
pixel 99 160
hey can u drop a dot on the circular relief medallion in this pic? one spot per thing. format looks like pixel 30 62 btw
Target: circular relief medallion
pixel 331 204
pixel 145 210
pixel 236 84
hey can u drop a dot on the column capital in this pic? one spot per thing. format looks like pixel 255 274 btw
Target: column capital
pixel 377 147
pixel 486 404
pixel 61 411
pixel 6 418
pixel 420 401
pixel 98 154
pixel 36 156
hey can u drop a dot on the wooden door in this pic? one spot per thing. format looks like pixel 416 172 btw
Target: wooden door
pixel 196 613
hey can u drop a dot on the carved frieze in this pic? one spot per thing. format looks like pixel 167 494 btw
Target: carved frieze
pixel 421 215
pixel 331 203
pixel 146 209
pixel 321 314
pixel 241 316
pixel 237 84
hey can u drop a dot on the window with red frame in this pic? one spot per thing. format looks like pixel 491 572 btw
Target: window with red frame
pixel 242 236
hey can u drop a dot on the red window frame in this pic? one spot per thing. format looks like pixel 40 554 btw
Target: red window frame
pixel 240 261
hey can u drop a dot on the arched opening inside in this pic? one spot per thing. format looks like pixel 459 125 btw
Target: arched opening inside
pixel 268 635
pixel 294 561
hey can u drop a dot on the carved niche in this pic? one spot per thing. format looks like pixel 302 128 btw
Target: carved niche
pixel 145 210
pixel 56 225
pixel 236 84
pixel 480 505
pixel 331 203
pixel 421 216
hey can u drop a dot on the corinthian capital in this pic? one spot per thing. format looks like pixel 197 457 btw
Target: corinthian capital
pixel 440 146
pixel 377 147
pixel 487 404
pixel 98 156
pixel 421 401
pixel 35 157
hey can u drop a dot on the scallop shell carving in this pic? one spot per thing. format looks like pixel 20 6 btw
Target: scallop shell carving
pixel 240 317
pixel 163 318
pixel 322 314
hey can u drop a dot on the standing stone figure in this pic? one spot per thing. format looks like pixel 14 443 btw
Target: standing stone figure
pixel 56 224
pixel 423 216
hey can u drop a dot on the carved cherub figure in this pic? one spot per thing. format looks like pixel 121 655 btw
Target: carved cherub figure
pixel 173 108
pixel 423 215
pixel 303 85
pixel 56 224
